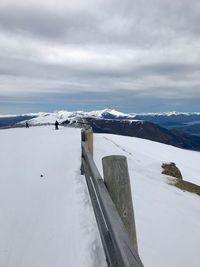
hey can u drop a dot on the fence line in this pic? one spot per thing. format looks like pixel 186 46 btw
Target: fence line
pixel 117 244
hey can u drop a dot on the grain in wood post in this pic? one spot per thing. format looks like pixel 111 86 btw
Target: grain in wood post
pixel 89 139
pixel 117 181
pixel 82 140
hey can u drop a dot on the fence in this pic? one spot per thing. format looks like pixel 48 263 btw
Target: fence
pixel 115 220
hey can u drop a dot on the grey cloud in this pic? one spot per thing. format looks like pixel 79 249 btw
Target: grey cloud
pixel 135 22
pixel 23 67
pixel 173 71
pixel 146 47
pixel 43 23
pixel 63 78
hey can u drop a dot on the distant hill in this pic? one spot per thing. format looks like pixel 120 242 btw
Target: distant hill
pixel 142 129
pixel 12 121
pixel 177 129
pixel 182 121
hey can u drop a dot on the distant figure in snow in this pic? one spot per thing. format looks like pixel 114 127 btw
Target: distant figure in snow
pixel 56 125
pixel 27 125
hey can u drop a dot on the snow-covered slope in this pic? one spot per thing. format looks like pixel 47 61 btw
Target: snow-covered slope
pixel 48 221
pixel 45 217
pixel 171 113
pixel 43 118
pixel 60 116
pixel 49 118
pixel 167 219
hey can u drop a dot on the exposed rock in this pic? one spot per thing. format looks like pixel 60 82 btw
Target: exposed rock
pixel 187 186
pixel 172 170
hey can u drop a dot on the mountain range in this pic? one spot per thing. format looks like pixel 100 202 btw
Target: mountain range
pixel 177 129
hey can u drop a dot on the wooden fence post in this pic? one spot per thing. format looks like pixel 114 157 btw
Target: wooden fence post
pixel 86 136
pixel 116 178
pixel 82 140
pixel 89 139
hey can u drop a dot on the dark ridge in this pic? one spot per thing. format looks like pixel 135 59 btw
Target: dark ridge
pixel 141 129
pixel 8 122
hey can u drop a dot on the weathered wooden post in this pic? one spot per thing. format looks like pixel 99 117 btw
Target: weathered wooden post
pixel 117 181
pixel 89 139
pixel 82 140
pixel 86 136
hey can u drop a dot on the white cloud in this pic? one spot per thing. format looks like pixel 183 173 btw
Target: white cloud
pixel 62 46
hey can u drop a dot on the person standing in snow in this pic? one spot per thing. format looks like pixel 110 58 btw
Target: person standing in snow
pixel 56 125
pixel 27 125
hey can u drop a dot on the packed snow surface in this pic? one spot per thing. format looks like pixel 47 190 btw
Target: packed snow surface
pixel 167 219
pixel 46 217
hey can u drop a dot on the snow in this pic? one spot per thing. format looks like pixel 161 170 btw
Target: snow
pixel 151 153
pixel 50 118
pixel 62 115
pixel 168 114
pixel 48 221
pixel 167 219
pixel 99 113
pixel 45 221
pixel 8 116
pixel 44 118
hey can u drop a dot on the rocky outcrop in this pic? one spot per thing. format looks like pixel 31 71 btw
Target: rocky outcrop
pixel 187 186
pixel 172 170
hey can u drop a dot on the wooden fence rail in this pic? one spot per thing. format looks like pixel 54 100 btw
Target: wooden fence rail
pixel 118 247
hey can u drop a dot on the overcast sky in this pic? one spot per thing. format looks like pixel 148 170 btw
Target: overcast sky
pixel 132 55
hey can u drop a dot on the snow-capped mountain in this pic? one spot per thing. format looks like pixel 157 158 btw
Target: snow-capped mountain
pixel 61 116
pixel 112 121
pixel 42 118
pixel 178 129
pixel 163 119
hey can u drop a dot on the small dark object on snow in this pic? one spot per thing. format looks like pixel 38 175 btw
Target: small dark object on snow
pixel 27 125
pixel 41 175
pixel 56 125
